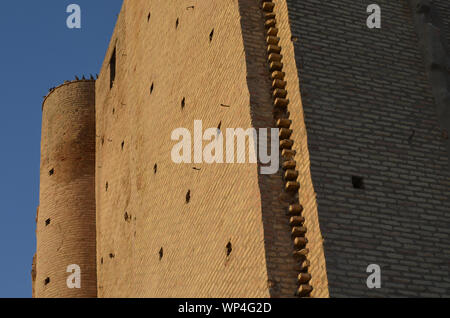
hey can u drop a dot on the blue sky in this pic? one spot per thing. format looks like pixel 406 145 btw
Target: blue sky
pixel 37 52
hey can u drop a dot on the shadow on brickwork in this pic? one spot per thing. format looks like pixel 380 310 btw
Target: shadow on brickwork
pixel 371 116
pixel 278 245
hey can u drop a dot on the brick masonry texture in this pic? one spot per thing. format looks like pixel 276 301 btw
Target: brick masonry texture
pixel 369 112
pixel 169 247
pixel 65 228
pixel 282 273
pixel 172 68
pixel 443 10
pixel 431 37
pixel 361 105
pixel 307 195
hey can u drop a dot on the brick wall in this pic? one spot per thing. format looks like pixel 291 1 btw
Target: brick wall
pixel 370 113
pixel 65 229
pixel 361 107
pixel 443 11
pixel 151 241
pixel 175 64
pixel 282 268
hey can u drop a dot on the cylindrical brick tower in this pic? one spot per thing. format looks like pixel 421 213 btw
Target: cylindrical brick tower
pixel 66 219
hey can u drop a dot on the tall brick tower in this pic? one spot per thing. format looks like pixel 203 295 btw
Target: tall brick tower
pixel 363 178
pixel 66 216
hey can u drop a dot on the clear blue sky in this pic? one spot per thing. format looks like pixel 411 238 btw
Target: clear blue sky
pixel 37 51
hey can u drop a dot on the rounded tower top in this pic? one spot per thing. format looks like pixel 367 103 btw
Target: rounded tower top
pixel 66 83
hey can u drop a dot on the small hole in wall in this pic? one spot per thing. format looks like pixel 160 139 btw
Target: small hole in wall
pixel 229 248
pixel 188 196
pixel 411 136
pixel 123 144
pixel 47 222
pixel 211 35
pixel 47 281
pixel 103 140
pixel 114 111
pixel 155 168
pixel 101 260
pixel 111 255
pixel 148 17
pixel 177 23
pixel 358 182
pixel 161 253
pixel 51 172
pixel 126 216
pixel 218 128
pixel 112 69
pixel 183 103
pixel 106 186
pixel 151 88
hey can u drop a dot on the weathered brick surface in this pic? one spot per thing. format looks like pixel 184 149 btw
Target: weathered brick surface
pixel 369 112
pixel 65 228
pixel 360 105
pixel 282 275
pixel 443 11
pixel 307 194
pixel 141 212
pixel 225 201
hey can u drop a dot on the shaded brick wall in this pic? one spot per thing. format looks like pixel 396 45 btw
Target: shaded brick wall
pixel 432 34
pixel 443 11
pixel 65 229
pixel 282 268
pixel 370 113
